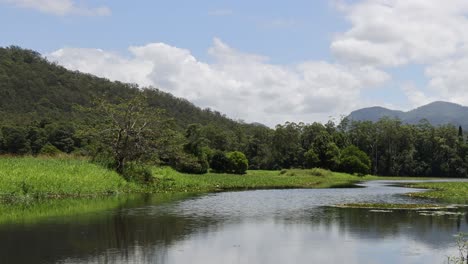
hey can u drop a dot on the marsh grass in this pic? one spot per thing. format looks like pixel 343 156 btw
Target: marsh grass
pixel 390 206
pixel 30 177
pixel 173 181
pixel 453 192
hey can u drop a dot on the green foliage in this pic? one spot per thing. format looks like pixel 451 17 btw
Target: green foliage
pixel 189 163
pixel 47 177
pixel 173 181
pixel 311 159
pixel 61 136
pixel 354 160
pixel 15 140
pixel 237 162
pixel 219 162
pixel 320 172
pixel 452 192
pixel 138 173
pixel 129 129
pixel 49 150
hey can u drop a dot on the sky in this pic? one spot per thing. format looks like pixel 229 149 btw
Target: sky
pixel 259 61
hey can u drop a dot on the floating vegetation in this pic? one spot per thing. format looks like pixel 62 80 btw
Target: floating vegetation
pixel 380 206
pixel 454 192
pixel 440 213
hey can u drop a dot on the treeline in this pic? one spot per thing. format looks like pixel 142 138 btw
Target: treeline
pixel 387 147
pixel 46 109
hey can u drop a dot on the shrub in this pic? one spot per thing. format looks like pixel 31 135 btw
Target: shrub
pixel 219 162
pixel 49 150
pixel 238 162
pixel 188 163
pixel 354 160
pixel 137 173
pixel 320 172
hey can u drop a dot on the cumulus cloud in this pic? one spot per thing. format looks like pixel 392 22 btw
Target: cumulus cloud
pixel 448 78
pixel 60 7
pixel 391 33
pixel 244 86
pixel 396 32
pixel 416 96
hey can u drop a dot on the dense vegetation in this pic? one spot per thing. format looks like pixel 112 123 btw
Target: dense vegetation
pixel 38 178
pixel 46 109
pixel 455 192
pixel 25 179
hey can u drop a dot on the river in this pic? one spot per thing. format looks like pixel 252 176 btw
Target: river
pixel 263 226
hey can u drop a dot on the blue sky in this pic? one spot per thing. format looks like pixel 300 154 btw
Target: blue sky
pixel 286 60
pixel 285 31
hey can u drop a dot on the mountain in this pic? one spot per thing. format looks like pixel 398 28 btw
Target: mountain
pixel 437 113
pixel 33 89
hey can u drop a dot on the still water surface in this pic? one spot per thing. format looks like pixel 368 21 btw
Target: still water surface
pixel 264 226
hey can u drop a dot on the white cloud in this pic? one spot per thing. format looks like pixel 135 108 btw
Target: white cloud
pixel 244 86
pixel 416 96
pixel 396 32
pixel 449 79
pixel 391 33
pixel 60 7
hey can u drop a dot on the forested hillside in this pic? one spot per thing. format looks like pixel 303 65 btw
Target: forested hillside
pixel 32 88
pixel 47 109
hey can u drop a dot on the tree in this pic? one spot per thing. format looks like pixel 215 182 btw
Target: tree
pixel 311 159
pixel 15 140
pixel 130 128
pixel 219 162
pixel 238 162
pixel 354 160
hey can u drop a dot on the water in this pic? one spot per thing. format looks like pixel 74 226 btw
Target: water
pixel 265 226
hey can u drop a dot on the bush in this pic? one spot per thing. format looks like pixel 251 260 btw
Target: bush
pixel 219 162
pixel 137 173
pixel 49 150
pixel 238 162
pixel 319 172
pixel 354 160
pixel 191 164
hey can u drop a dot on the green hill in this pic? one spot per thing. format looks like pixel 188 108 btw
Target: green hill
pixel 32 88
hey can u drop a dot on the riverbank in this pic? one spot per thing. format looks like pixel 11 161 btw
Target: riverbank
pixel 453 192
pixel 32 178
pixel 28 179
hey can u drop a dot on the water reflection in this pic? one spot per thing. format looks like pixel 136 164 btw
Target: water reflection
pixel 277 226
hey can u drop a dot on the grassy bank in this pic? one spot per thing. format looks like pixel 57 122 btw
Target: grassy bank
pixel 29 178
pixel 34 178
pixel 453 192
pixel 173 181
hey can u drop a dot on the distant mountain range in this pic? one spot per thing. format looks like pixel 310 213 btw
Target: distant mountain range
pixel 437 113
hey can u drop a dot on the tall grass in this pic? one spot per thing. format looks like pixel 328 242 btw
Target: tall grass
pixel 52 177
pixel 173 181
pixel 454 192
